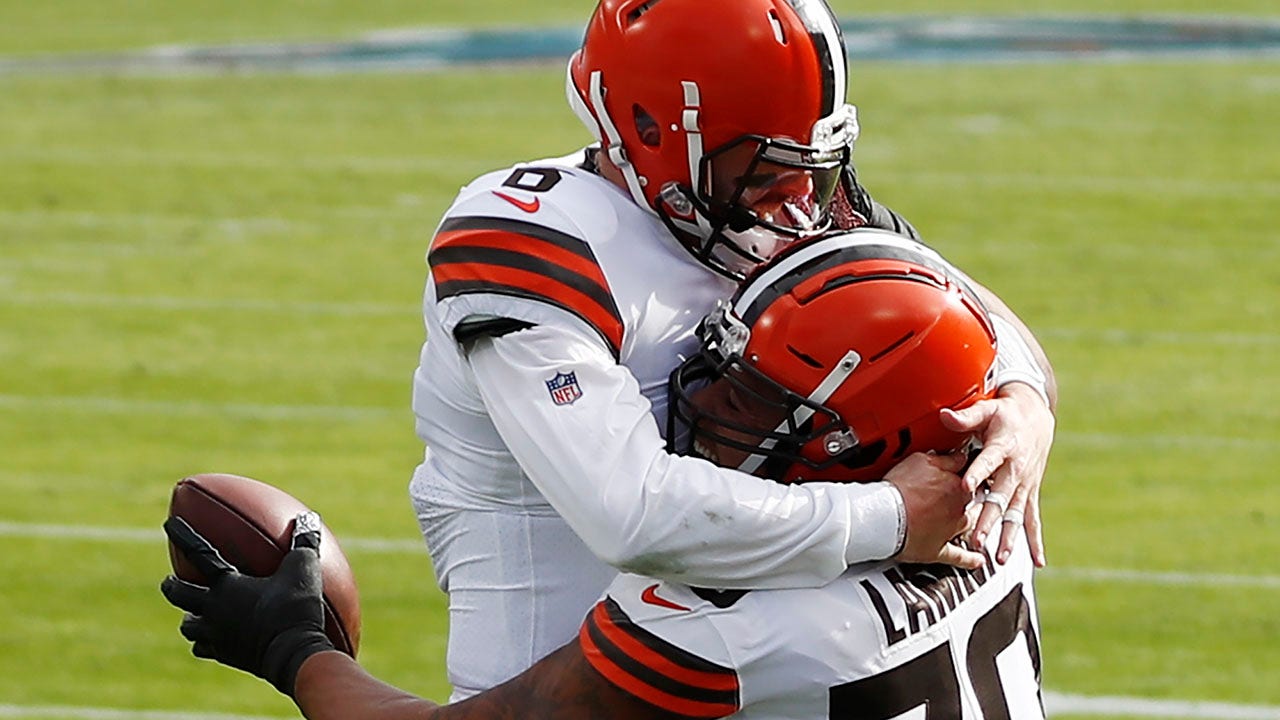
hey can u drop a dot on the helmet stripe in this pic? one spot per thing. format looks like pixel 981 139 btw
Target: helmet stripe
pixel 824 31
pixel 780 276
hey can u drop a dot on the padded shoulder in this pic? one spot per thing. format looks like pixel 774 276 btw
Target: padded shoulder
pixel 657 671
pixel 527 234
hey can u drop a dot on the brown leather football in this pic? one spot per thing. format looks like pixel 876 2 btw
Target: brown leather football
pixel 251 525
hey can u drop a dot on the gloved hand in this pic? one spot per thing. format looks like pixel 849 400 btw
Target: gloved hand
pixel 264 626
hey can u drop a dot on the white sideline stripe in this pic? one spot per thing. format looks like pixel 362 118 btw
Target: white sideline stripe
pixel 99 713
pixel 118 406
pixel 1191 187
pixel 232 226
pixel 1164 337
pixel 168 302
pixel 52 531
pixel 1055 703
pixel 1176 579
pixel 1096 185
pixel 1142 707
pixel 116 157
pixel 352 413
pixel 1112 440
pixel 394 546
pixel 89 219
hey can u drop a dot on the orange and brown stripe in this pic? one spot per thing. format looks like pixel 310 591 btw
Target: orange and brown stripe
pixel 653 669
pixel 511 257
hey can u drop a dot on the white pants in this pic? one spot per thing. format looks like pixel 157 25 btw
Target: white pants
pixel 519 584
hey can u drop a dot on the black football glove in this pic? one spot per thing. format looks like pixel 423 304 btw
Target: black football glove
pixel 264 626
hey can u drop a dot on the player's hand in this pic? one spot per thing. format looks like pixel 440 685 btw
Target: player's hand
pixel 935 498
pixel 264 626
pixel 1016 429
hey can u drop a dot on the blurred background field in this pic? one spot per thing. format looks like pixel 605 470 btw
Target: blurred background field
pixel 223 272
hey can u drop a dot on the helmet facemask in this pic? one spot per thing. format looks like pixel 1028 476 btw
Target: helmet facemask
pixel 752 423
pixel 833 361
pixel 657 97
pixel 755 195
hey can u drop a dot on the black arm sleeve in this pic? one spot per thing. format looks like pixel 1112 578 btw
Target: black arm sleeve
pixel 468 331
pixel 876 214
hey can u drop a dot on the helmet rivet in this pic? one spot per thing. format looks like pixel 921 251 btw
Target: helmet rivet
pixel 847 364
pixel 838 441
pixel 671 195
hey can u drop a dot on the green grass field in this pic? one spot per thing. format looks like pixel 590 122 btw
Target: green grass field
pixel 223 274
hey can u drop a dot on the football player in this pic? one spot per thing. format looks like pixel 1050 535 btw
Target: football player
pixel 833 363
pixel 562 292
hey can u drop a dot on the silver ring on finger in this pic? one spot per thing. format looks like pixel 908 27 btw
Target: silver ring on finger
pixel 1013 516
pixel 996 498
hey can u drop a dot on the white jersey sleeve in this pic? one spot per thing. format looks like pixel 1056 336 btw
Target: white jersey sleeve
pixel 1014 360
pixel 504 252
pixel 578 425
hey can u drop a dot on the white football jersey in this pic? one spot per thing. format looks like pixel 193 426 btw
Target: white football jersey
pixel 883 641
pixel 551 470
pixel 549 244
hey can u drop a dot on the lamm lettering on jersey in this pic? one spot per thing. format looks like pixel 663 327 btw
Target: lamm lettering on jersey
pixel 927 593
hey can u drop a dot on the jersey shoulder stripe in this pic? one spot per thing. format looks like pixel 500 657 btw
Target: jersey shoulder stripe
pixel 504 256
pixel 653 669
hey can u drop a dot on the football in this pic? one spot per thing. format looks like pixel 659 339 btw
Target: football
pixel 251 525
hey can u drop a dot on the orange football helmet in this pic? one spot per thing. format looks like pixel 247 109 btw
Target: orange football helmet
pixel 832 362
pixel 727 118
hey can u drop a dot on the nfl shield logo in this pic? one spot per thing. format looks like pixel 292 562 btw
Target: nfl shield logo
pixel 564 388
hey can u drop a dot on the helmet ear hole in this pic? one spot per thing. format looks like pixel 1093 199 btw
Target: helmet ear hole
pixel 646 127
pixel 863 456
pixel 779 33
pixel 904 442
pixel 635 14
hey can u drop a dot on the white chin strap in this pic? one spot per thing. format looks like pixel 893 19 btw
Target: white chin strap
pixel 693 134
pixel 597 119
pixel 759 241
pixel 601 126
